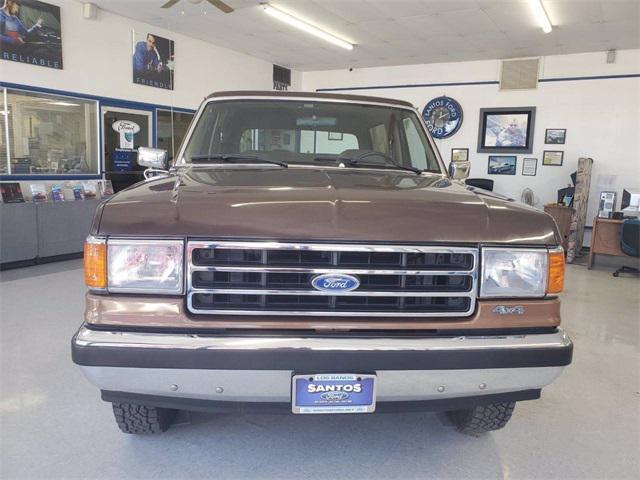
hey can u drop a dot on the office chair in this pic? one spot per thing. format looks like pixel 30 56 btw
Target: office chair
pixel 484 183
pixel 629 244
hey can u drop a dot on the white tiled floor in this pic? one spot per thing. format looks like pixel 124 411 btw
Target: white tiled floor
pixel 54 425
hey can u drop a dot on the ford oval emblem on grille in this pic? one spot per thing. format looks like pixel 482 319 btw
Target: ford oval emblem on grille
pixel 335 282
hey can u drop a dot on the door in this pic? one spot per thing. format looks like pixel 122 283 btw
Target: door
pixel 123 132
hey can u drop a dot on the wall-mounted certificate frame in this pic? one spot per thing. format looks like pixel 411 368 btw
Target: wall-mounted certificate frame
pixel 529 167
pixel 459 154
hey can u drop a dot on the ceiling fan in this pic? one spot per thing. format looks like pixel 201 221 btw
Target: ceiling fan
pixel 219 4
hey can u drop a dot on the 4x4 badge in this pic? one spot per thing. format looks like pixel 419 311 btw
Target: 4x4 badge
pixel 504 310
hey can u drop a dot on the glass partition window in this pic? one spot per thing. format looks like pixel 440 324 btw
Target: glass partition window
pixel 172 130
pixel 49 135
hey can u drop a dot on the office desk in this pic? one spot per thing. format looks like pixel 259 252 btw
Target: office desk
pixel 605 238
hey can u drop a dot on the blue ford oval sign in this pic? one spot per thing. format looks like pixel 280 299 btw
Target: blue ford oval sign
pixel 335 282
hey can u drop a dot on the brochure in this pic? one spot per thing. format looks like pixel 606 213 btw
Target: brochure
pixel 38 193
pixel 106 188
pixel 11 192
pixel 90 190
pixel 57 193
pixel 78 192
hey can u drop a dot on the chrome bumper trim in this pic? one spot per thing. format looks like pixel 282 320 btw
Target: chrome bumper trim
pixel 275 385
pixel 98 338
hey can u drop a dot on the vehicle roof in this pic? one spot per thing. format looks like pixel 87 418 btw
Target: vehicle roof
pixel 320 95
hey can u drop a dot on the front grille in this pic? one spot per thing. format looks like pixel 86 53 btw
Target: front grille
pixel 272 278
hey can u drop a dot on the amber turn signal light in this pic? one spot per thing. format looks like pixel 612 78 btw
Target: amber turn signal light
pixel 95 263
pixel 555 278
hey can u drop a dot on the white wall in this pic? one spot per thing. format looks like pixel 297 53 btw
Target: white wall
pixel 97 61
pixel 602 117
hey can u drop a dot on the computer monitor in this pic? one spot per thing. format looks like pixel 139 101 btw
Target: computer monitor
pixel 565 195
pixel 630 199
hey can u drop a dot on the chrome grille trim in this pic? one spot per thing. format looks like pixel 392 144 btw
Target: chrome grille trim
pixel 262 269
pixel 352 293
pixel 360 271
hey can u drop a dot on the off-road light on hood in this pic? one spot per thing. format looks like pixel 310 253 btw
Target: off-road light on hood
pixel 304 26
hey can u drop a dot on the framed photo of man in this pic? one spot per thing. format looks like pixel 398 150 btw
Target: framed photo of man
pixel 506 130
pixel 30 32
pixel 153 60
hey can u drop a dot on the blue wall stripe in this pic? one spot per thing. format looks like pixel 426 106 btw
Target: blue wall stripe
pixel 103 100
pixel 487 82
pixel 597 77
pixel 415 85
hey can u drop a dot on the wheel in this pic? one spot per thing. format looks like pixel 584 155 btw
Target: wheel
pixel 132 418
pixel 481 419
pixel 616 274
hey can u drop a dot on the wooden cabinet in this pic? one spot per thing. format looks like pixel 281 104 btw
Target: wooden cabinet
pixel 562 215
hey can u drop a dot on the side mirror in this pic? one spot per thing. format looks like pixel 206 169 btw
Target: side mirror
pixel 152 158
pixel 459 170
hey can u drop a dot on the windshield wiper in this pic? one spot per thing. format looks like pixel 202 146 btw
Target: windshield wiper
pixel 361 160
pixel 234 158
pixel 355 162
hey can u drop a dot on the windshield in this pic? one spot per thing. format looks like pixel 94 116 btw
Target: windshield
pixel 308 132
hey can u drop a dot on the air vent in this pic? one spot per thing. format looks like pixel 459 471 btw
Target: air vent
pixel 281 78
pixel 519 74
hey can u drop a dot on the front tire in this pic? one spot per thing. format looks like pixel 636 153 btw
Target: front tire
pixel 483 418
pixel 138 419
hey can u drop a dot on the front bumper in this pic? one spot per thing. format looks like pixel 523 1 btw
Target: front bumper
pixel 259 368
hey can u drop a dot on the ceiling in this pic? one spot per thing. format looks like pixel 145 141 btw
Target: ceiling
pixel 398 32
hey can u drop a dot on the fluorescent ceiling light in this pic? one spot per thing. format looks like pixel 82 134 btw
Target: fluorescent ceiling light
pixel 64 104
pixel 541 15
pixel 302 25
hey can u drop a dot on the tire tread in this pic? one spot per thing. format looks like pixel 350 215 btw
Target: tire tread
pixel 483 418
pixel 141 419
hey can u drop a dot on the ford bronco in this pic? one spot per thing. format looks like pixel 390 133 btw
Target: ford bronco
pixel 310 253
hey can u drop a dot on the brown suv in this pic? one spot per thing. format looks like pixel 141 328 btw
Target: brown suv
pixel 309 253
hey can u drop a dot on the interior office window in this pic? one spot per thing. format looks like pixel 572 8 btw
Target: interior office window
pixel 50 134
pixel 172 130
pixel 418 151
pixel 268 140
pixel 379 139
pixel 328 143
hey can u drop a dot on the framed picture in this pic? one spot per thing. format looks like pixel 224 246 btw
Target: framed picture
pixel 31 33
pixel 529 167
pixel 506 130
pixel 555 136
pixel 153 61
pixel 502 165
pixel 552 157
pixel 335 136
pixel 459 154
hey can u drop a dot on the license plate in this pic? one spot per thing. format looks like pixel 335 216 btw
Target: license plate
pixel 333 393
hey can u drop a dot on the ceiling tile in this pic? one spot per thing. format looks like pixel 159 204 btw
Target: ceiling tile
pixel 395 32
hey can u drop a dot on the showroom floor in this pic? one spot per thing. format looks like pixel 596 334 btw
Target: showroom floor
pixel 54 424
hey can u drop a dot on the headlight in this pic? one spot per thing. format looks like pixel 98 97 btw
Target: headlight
pixel 508 272
pixel 145 266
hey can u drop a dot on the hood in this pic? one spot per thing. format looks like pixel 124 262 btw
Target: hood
pixel 318 204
